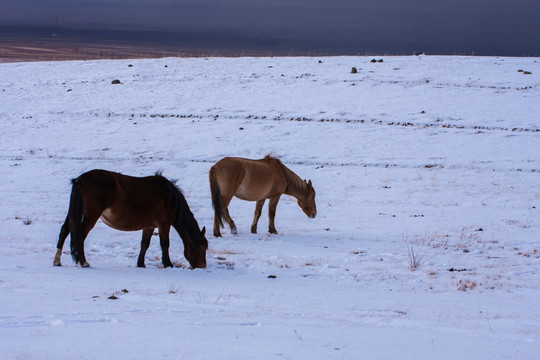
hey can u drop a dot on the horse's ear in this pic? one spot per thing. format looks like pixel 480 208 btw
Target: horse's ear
pixel 309 183
pixel 203 231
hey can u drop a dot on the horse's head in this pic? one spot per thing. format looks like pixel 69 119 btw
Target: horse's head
pixel 307 203
pixel 195 251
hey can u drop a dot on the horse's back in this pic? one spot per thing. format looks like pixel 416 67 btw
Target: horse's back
pixel 116 182
pixel 97 176
pixel 250 179
pixel 237 164
pixel 127 202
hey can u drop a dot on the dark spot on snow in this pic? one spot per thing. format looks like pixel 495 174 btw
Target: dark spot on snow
pixel 272 276
pixel 116 81
pixel 112 297
pixel 354 70
pixel 479 229
pixel 459 270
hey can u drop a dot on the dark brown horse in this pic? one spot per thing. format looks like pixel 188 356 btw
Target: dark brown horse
pixel 256 180
pixel 131 203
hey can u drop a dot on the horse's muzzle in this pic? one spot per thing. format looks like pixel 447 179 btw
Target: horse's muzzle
pixel 312 216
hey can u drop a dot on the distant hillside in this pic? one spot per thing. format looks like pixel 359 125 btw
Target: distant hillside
pixel 51 43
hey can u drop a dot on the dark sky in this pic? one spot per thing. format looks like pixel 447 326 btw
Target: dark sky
pixel 491 27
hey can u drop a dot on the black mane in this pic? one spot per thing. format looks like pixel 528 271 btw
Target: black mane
pixel 185 221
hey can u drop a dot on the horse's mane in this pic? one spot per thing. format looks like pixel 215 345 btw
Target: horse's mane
pixel 295 184
pixel 185 218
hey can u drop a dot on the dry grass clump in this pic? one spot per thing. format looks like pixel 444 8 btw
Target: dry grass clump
pixel 458 240
pixel 225 251
pixel 466 284
pixel 414 258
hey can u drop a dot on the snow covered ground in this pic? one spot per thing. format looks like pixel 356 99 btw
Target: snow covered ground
pixel 435 155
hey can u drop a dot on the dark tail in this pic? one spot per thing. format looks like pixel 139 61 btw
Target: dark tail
pixel 76 217
pixel 217 200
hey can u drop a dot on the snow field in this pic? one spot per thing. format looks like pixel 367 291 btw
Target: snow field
pixel 434 154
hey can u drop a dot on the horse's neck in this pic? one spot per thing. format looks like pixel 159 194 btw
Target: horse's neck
pixel 295 185
pixel 184 224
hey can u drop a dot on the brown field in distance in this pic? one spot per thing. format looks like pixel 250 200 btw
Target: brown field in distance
pixel 44 45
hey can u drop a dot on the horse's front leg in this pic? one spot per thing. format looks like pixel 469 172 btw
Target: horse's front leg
pixel 145 243
pixel 64 232
pixel 164 242
pixel 272 214
pixel 258 211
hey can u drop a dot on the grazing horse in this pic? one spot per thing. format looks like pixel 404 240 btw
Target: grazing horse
pixel 256 180
pixel 131 203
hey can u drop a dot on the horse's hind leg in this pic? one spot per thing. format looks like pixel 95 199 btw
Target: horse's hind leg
pixel 258 211
pixel 64 232
pixel 229 220
pixel 226 201
pixel 217 231
pixel 145 243
pixel 88 224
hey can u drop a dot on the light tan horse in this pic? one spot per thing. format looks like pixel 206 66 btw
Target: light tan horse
pixel 256 180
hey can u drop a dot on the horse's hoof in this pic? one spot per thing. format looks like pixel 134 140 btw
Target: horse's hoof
pixel 141 265
pixel 85 264
pixel 234 231
pixel 57 257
